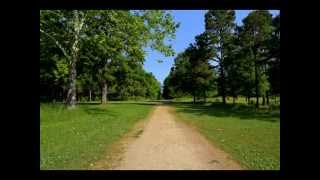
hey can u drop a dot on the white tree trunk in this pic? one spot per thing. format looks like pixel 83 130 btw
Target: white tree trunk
pixel 78 24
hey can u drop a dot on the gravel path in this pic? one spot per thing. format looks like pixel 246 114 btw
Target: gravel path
pixel 166 144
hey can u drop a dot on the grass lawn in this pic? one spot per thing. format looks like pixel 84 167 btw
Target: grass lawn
pixel 251 137
pixel 73 139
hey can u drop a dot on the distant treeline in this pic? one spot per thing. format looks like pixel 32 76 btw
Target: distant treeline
pixel 229 59
pixel 127 82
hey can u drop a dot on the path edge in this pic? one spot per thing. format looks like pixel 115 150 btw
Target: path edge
pixel 114 152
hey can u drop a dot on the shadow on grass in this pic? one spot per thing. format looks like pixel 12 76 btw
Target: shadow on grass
pixel 89 103
pixel 98 110
pixel 138 103
pixel 120 102
pixel 242 111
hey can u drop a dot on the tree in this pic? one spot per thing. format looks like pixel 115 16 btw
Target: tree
pixel 107 35
pixel 178 82
pixel 86 78
pixel 136 29
pixel 201 73
pixel 168 92
pixel 247 58
pixel 66 30
pixel 152 86
pixel 53 71
pixel 235 69
pixel 274 60
pixel 219 24
pixel 257 28
pixel 192 73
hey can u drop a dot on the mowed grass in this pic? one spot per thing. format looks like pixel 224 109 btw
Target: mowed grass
pixel 73 139
pixel 252 137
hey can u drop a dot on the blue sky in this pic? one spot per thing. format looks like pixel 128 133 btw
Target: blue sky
pixel 191 25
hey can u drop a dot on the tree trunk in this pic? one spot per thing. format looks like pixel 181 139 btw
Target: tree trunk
pixel 223 94
pixel 78 24
pixel 233 100
pixel 61 95
pixel 71 95
pixel 89 95
pixel 104 92
pixel 54 95
pixel 205 97
pixel 263 100
pixel 194 98
pixel 248 99
pixel 223 91
pixel 267 96
pixel 256 82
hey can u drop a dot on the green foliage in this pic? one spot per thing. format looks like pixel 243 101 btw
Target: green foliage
pixel 61 72
pixel 97 41
pixel 219 25
pixel 244 60
pixel 256 34
pixel 273 70
pixel 192 73
pixel 133 82
pixel 257 28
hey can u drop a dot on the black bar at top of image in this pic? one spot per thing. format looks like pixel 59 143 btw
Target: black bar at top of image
pixel 160 4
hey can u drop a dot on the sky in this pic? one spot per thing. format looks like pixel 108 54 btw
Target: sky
pixel 191 25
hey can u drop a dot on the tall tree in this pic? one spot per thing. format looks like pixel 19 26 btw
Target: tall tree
pixel 66 30
pixel 257 28
pixel 274 60
pixel 131 32
pixel 192 73
pixel 201 72
pixel 109 34
pixel 234 68
pixel 167 91
pixel 219 24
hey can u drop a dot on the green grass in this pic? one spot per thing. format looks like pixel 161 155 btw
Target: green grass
pixel 73 139
pixel 252 137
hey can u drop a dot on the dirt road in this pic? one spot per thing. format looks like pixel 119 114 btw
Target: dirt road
pixel 167 144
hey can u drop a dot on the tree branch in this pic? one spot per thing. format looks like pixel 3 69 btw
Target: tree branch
pixel 82 20
pixel 216 60
pixel 57 43
pixel 267 59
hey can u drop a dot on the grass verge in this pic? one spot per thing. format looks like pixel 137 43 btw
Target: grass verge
pixel 250 136
pixel 74 139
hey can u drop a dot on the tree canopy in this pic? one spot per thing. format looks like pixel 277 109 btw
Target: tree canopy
pixel 86 49
pixel 229 59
